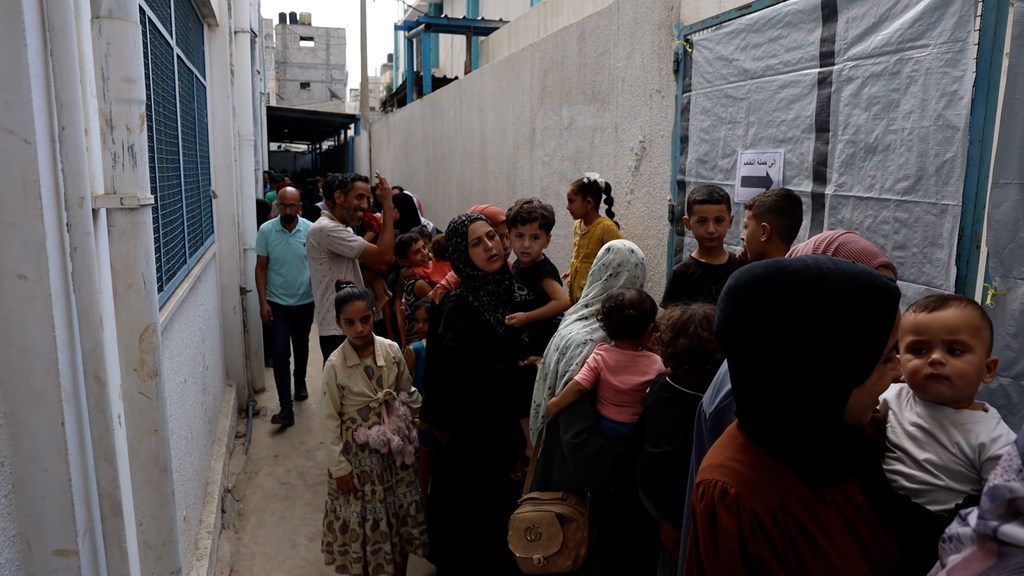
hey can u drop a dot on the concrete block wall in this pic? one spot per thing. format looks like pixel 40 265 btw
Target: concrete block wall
pixel 322 65
pixel 597 95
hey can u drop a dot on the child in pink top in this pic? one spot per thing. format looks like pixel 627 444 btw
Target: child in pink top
pixel 622 371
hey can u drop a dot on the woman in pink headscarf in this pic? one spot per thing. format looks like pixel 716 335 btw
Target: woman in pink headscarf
pixel 846 245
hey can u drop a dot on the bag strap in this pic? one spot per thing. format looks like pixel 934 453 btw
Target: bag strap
pixel 533 462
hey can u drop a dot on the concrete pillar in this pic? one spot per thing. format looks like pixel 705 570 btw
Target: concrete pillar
pixel 120 80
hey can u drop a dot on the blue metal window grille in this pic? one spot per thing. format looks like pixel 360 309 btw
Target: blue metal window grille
pixel 150 141
pixel 162 10
pixel 178 138
pixel 189 34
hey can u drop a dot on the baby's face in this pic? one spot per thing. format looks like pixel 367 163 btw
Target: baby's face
pixel 945 355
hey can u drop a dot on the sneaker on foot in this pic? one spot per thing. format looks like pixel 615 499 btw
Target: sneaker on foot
pixel 284 419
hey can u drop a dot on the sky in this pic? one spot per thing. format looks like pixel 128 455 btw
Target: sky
pixel 381 16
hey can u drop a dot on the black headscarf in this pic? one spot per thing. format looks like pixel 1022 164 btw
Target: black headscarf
pixel 800 334
pixel 490 293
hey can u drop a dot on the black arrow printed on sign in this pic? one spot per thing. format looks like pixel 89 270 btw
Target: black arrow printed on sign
pixel 760 182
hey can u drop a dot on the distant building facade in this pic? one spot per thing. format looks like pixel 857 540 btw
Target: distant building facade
pixel 378 88
pixel 305 64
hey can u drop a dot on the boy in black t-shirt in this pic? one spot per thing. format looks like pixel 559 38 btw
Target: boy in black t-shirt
pixel 701 275
pixel 540 299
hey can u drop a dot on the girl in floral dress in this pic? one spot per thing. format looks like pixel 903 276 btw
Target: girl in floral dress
pixel 374 517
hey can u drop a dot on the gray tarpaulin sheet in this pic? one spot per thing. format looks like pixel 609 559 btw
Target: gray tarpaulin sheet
pixel 1006 240
pixel 886 127
pixel 871 103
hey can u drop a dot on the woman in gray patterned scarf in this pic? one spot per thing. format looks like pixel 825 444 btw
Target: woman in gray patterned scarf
pixel 619 264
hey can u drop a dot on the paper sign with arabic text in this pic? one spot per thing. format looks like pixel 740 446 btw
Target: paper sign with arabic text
pixel 757 171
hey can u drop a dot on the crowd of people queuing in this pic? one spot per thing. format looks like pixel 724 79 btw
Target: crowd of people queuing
pixel 776 414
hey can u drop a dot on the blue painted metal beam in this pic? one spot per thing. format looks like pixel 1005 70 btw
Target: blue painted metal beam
pixel 426 26
pixel 350 143
pixel 410 59
pixel 988 74
pixel 446 25
pixel 425 68
pixel 473 11
pixel 394 65
pixel 435 44
pixel 410 69
pixel 679 64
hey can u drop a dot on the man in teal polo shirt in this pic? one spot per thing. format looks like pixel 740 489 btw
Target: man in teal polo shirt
pixel 286 297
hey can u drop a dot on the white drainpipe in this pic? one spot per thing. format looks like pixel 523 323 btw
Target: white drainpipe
pixel 245 195
pixel 125 194
pixel 102 459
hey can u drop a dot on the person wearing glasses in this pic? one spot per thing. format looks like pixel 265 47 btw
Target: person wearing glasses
pixel 286 297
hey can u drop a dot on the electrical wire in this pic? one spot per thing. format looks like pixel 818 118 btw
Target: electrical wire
pixel 411 7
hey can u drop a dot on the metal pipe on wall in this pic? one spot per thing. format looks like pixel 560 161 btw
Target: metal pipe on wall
pixel 105 449
pixel 121 95
pixel 245 194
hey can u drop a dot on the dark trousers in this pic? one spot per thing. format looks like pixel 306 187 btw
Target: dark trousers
pixel 291 326
pixel 328 344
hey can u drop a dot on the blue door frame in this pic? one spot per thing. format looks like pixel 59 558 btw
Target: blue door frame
pixel 984 104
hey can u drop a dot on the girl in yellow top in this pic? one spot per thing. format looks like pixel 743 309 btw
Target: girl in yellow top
pixel 592 231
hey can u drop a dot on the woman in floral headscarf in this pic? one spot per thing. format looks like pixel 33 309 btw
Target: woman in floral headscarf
pixel 574 457
pixel 479 390
pixel 618 265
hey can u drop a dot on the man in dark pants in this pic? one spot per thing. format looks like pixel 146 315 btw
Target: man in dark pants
pixel 286 297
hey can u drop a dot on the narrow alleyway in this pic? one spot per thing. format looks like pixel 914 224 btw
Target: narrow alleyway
pixel 280 489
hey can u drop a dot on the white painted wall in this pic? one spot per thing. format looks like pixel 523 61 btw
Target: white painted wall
pixel 596 95
pixel 193 374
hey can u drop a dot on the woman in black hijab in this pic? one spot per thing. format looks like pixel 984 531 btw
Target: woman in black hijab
pixel 480 387
pixel 408 215
pixel 795 486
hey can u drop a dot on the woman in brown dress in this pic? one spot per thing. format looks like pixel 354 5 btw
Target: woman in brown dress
pixel 795 486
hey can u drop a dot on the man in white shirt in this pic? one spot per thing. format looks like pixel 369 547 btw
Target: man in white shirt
pixel 334 251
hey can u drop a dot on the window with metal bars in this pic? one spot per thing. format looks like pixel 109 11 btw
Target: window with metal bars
pixel 177 131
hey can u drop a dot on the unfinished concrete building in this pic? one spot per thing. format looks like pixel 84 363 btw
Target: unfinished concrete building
pixel 308 64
